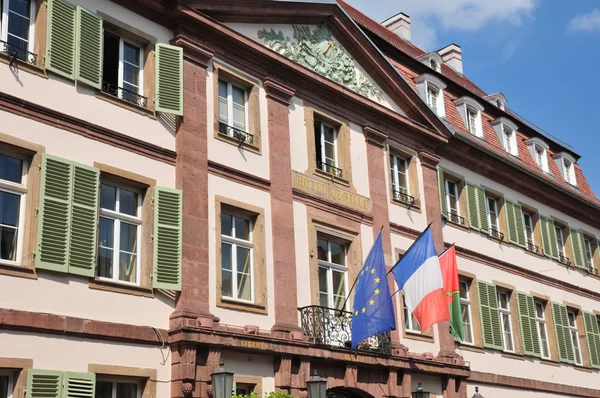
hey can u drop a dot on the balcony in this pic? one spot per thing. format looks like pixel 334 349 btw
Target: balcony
pixel 532 248
pixel 329 169
pixel 455 218
pixel 331 327
pixel 403 197
pixel 496 234
pixel 239 135
pixel 14 52
pixel 564 260
pixel 127 95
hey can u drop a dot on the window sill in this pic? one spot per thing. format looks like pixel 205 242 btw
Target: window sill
pixel 116 287
pixel 417 336
pixel 534 254
pixel 241 306
pixel 329 177
pixel 18 271
pixel 125 104
pixel 513 355
pixel 416 206
pixel 583 368
pixel 22 65
pixel 455 225
pixel 550 362
pixel 472 348
pixel 230 140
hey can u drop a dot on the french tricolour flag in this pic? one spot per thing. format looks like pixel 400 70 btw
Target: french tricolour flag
pixel 419 277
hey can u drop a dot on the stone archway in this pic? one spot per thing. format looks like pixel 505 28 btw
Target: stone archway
pixel 346 392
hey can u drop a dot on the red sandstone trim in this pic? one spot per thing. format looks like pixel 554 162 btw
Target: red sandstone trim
pixel 77 126
pixel 80 327
pixel 238 176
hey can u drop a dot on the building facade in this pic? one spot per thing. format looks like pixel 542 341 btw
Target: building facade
pixel 189 182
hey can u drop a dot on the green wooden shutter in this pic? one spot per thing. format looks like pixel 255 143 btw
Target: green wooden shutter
pixel 553 241
pixel 482 210
pixel 169 79
pixel 489 315
pixel 54 215
pixel 472 206
pixel 60 45
pixel 442 192
pixel 83 228
pixel 563 336
pixel 89 48
pixel 578 248
pixel 43 384
pixel 592 334
pixel 548 237
pixel 529 332
pixel 514 221
pixel 78 385
pixel 167 239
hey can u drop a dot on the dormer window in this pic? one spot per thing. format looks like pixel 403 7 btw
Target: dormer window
pixel 566 165
pixel 433 60
pixel 506 131
pixel 431 90
pixel 433 64
pixel 470 111
pixel 539 151
pixel 498 99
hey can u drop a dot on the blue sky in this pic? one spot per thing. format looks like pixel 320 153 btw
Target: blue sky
pixel 543 55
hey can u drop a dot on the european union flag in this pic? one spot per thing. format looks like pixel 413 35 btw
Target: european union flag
pixel 373 307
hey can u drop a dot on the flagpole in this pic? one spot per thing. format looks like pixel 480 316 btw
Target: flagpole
pixel 356 279
pixel 448 248
pixel 409 249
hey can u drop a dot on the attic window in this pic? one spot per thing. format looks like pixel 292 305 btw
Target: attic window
pixel 509 139
pixel 539 152
pixel 566 165
pixel 506 131
pixel 431 90
pixel 568 169
pixel 470 111
pixel 433 64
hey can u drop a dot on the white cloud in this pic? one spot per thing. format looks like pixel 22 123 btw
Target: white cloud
pixel 429 16
pixel 586 22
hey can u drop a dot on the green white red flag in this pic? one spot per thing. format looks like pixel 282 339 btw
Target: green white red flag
pixel 452 290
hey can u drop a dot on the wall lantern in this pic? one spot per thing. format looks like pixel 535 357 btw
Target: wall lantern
pixel 477 394
pixel 317 386
pixel 420 393
pixel 222 382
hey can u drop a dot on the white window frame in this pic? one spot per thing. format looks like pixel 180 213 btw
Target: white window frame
pixel 141 47
pixel 542 324
pixel 540 157
pixel 117 219
pixel 473 125
pixel 230 103
pixel 530 216
pixel 509 140
pixel 446 182
pixel 574 332
pixel 433 94
pixel 506 311
pixel 246 244
pixel 11 384
pixel 587 246
pixel 395 168
pixel 423 83
pixel 329 267
pixel 489 212
pixel 411 325
pixel 322 126
pixel 467 302
pixel 560 240
pixel 17 189
pixel 30 33
pixel 115 380
pixel 568 170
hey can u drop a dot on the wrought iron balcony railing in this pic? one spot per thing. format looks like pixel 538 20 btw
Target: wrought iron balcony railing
pixel 403 197
pixel 455 218
pixel 331 327
pixel 326 167
pixel 240 135
pixel 125 94
pixel 564 260
pixel 532 248
pixel 496 234
pixel 19 53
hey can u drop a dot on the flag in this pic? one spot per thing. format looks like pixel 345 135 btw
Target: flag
pixel 452 291
pixel 373 307
pixel 419 276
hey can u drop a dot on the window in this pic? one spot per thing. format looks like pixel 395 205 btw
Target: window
pixel 399 170
pixel 432 97
pixel 504 310
pixel 333 273
pixel 236 257
pixel 410 322
pixel 433 64
pixel 568 170
pixel 119 234
pixel 589 253
pixel 233 109
pixel 122 388
pixel 452 197
pixel 508 140
pixel 572 315
pixel 6 384
pixel 528 226
pixel 12 207
pixel 326 148
pixel 560 241
pixel 492 207
pixel 17 22
pixel 539 156
pixel 465 305
pixel 243 389
pixel 123 69
pixel 472 120
pixel 540 318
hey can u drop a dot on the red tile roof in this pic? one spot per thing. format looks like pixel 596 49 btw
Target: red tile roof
pixel 490 141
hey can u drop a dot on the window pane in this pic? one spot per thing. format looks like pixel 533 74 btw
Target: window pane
pixel 108 197
pixel 503 300
pixel 4 386
pixel 106 233
pixel 329 153
pixel 128 202
pixel 226 224
pixel 242 228
pixel 539 310
pixel 10 168
pixel 9 208
pixel 226 284
pixel 323 300
pixel 317 127
pixel 131 54
pixel 338 253
pixel 243 260
pixel 103 389
pixel 238 96
pixel 329 134
pixel 223 112
pixel 339 283
pixel 105 262
pixel 8 243
pixel 244 291
pixel 323 280
pixel 128 238
pixel 226 256
pixel 105 245
pixel 463 290
pixel 322 250
pixel 18 26
pixel 126 390
pixel 131 77
pixel 20 7
pixel 466 324
pixel 572 319
pixel 127 267
pixel 239 117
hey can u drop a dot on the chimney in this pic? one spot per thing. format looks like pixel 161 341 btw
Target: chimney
pixel 452 56
pixel 399 24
